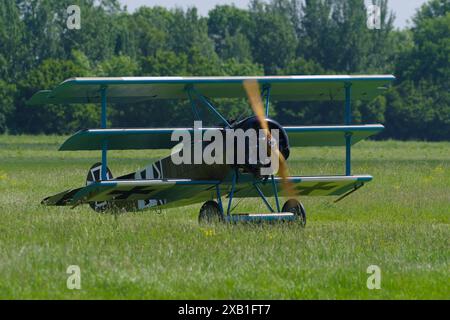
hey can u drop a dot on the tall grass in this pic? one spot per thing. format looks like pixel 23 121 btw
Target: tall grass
pixel 400 222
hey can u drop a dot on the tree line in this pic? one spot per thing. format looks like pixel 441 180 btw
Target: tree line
pixel 277 37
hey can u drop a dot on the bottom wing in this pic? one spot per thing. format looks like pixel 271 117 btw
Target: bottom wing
pixel 167 192
pixel 181 192
pixel 310 186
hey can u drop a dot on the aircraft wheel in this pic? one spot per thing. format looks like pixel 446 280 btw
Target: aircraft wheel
pixel 94 175
pixel 210 213
pixel 296 208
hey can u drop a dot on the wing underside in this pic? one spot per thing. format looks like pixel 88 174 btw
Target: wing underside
pixel 161 138
pixel 175 193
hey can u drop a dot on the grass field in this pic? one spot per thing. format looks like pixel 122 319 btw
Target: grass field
pixel 400 222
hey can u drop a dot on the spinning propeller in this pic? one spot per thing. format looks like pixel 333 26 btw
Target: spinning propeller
pixel 253 93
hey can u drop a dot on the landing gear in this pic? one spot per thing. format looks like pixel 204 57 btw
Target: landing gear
pixel 296 208
pixel 94 175
pixel 210 213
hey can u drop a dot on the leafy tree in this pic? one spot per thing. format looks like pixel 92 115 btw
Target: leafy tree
pixel 150 28
pixel 418 112
pixel 302 66
pixel 7 92
pixel 165 63
pixel 272 37
pixel 61 119
pixel 227 27
pixel 11 39
pixel 188 31
pixel 118 66
pixel 419 107
pixel 334 33
pixel 38 51
pixel 429 57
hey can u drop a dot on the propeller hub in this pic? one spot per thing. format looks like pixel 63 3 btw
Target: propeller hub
pixel 252 123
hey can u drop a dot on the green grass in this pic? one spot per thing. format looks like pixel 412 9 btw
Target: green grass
pixel 400 222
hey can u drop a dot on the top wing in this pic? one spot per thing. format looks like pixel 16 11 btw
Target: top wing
pixel 139 89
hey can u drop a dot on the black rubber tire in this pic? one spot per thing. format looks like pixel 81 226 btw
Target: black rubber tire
pixel 297 208
pixel 94 176
pixel 210 213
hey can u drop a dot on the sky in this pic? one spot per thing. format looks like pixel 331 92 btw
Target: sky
pixel 403 9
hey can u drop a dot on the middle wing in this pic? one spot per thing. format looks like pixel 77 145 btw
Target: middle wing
pixel 143 138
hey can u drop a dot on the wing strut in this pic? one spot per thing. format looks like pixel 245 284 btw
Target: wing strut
pixel 230 196
pixel 266 96
pixel 263 197
pixel 190 89
pixel 348 135
pixel 104 177
pixel 275 192
pixel 356 187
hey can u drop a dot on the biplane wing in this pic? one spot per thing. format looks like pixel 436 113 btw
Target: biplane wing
pixel 329 136
pixel 311 186
pixel 179 192
pixel 124 139
pixel 127 139
pixel 283 88
pixel 174 193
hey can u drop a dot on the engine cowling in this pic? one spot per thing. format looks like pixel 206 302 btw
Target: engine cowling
pixel 253 123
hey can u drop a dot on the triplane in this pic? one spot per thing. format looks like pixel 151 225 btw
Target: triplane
pixel 163 184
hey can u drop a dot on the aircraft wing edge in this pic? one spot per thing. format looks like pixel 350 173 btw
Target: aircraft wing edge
pixel 326 87
pixel 102 191
pixel 322 136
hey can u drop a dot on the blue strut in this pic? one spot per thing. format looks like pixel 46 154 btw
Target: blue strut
pixel 209 105
pixel 266 93
pixel 230 196
pixel 105 142
pixel 348 135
